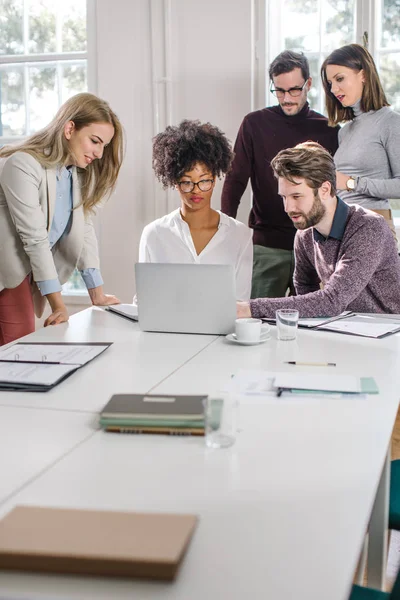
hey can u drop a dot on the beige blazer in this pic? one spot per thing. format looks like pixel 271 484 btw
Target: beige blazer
pixel 27 203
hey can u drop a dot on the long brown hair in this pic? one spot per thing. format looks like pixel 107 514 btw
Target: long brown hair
pixel 373 97
pixel 50 148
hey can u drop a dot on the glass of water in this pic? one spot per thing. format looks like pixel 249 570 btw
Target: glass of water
pixel 286 323
pixel 220 421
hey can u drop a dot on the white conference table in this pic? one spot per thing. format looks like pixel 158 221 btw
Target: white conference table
pixel 283 512
pixel 136 361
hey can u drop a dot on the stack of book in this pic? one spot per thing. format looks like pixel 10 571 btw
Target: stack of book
pixel 138 413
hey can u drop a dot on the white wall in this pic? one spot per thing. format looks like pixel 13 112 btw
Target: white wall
pixel 124 79
pixel 204 50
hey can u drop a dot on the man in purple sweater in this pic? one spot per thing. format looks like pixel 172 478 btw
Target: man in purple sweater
pixel 349 249
pixel 261 136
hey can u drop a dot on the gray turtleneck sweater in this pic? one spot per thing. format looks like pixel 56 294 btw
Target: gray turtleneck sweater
pixel 369 149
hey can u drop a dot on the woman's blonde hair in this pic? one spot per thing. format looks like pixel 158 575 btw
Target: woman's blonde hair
pixel 373 97
pixel 50 148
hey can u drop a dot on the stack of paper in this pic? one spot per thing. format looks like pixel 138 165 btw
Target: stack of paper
pixel 314 322
pixel 39 367
pixel 362 324
pixel 373 326
pixel 254 382
pixel 306 383
pixel 138 413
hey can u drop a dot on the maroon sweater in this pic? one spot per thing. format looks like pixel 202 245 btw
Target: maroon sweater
pixel 358 264
pixel 261 136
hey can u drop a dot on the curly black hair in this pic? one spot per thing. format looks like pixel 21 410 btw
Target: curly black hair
pixel 177 149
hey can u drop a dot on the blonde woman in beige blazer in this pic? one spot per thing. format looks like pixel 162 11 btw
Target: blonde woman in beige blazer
pixel 49 186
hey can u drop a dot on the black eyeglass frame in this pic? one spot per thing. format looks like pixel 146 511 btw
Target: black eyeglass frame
pixel 193 184
pixel 279 93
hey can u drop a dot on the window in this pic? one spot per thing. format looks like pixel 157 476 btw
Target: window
pixel 387 57
pixel 316 27
pixel 42 61
pixel 387 50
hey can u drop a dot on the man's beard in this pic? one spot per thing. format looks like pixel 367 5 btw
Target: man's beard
pixel 313 217
pixel 298 106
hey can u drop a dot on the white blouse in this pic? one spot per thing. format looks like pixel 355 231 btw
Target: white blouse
pixel 168 240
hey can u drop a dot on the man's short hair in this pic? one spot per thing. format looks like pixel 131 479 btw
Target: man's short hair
pixel 288 60
pixel 308 161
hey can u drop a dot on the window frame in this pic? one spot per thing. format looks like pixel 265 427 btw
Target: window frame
pixel 80 296
pixel 367 19
pixel 57 59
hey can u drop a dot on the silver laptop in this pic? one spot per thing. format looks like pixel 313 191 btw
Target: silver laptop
pixel 179 298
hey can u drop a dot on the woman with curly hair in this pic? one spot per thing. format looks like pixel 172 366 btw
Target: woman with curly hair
pixel 368 157
pixel 189 158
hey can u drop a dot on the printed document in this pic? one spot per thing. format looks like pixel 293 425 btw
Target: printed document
pixel 33 374
pixel 67 354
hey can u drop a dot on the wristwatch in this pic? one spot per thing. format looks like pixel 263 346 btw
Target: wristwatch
pixel 351 184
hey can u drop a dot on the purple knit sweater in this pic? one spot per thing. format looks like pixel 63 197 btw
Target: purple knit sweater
pixel 360 272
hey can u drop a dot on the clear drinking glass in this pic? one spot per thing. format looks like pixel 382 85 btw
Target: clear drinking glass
pixel 220 414
pixel 286 323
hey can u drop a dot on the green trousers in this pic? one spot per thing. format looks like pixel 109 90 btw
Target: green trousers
pixel 272 272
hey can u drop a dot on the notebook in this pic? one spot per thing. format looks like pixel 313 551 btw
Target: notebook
pixel 91 542
pixel 178 429
pixel 129 311
pixel 161 414
pixel 160 407
pixel 149 413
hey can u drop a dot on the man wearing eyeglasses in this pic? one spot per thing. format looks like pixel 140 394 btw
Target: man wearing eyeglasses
pixel 261 136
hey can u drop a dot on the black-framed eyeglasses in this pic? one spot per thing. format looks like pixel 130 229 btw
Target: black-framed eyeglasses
pixel 204 185
pixel 293 92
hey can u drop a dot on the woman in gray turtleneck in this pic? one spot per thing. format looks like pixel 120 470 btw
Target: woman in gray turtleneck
pixel 368 157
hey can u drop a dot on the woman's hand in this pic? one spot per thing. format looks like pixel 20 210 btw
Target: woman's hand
pixel 99 298
pixel 341 180
pixel 60 315
pixel 243 310
pixel 59 312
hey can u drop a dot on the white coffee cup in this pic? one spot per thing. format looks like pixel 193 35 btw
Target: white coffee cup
pixel 248 330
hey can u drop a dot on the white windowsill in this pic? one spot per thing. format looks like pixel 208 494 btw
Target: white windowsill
pixel 80 298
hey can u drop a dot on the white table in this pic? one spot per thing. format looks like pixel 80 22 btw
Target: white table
pixel 282 513
pixel 135 361
pixel 31 442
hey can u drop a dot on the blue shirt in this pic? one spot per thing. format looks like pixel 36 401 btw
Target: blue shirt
pixel 60 225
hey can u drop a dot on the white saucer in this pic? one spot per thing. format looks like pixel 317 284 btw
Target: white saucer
pixel 264 337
